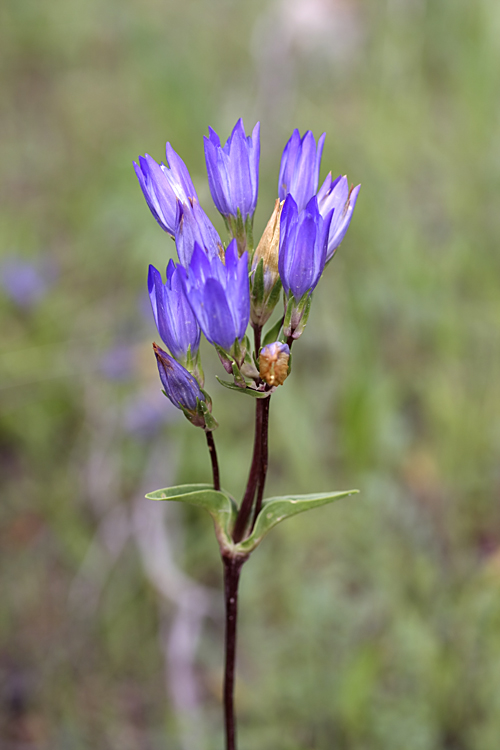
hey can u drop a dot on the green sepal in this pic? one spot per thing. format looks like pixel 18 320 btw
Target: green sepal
pixel 274 296
pixel 249 234
pixel 193 365
pixel 248 391
pixel 242 231
pixel 276 509
pixel 239 380
pixel 273 333
pixel 220 505
pixel 296 314
pixel 211 423
pixel 257 289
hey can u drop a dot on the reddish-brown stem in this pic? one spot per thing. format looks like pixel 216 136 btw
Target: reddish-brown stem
pixel 213 459
pixel 232 568
pixel 253 477
pixel 263 458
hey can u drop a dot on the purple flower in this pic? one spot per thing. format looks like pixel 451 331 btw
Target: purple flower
pixel 176 322
pixel 194 227
pixel 163 186
pixel 117 363
pixel 233 170
pixel 303 245
pixel 144 415
pixel 299 170
pixel 219 295
pixel 335 194
pixel 180 386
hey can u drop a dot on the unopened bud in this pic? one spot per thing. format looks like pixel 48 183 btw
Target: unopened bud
pixel 273 363
pixel 265 280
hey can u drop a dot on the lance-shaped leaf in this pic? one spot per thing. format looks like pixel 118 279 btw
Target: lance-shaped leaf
pixel 219 504
pixel 247 391
pixel 276 509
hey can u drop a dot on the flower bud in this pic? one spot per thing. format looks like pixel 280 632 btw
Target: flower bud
pixel 180 387
pixel 273 363
pixel 265 279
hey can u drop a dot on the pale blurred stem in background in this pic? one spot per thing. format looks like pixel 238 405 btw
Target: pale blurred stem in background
pixel 213 459
pixel 233 565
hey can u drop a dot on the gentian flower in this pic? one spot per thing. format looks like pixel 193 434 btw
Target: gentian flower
pixel 299 170
pixel 335 194
pixel 175 320
pixel 194 227
pixel 164 185
pixel 233 171
pixel 302 258
pixel 219 295
pixel 181 387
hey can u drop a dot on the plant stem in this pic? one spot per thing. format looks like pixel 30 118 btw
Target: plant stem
pixel 264 456
pixel 232 568
pixel 253 477
pixel 213 458
pixel 257 331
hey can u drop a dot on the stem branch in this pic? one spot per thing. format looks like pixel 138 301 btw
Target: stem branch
pixel 253 477
pixel 263 457
pixel 213 459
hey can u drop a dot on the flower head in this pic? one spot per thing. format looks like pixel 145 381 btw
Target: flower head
pixel 233 170
pixel 299 170
pixel 175 320
pixel 163 186
pixel 303 242
pixel 194 227
pixel 335 194
pixel 219 295
pixel 180 386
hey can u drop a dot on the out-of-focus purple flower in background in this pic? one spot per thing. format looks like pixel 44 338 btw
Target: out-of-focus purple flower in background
pixel 163 186
pixel 299 169
pixel 118 363
pixel 146 413
pixel 27 282
pixel 335 194
pixel 233 170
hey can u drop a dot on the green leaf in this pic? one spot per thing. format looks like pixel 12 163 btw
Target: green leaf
pixel 276 509
pixel 248 391
pixel 273 333
pixel 219 504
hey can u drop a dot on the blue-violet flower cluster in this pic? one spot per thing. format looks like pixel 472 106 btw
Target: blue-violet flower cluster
pixel 217 288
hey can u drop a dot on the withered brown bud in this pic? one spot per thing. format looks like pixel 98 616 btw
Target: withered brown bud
pixel 273 363
pixel 269 245
pixel 265 284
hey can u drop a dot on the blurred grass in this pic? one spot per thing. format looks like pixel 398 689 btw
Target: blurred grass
pixel 372 624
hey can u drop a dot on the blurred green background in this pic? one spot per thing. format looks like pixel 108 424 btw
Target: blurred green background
pixel 373 624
